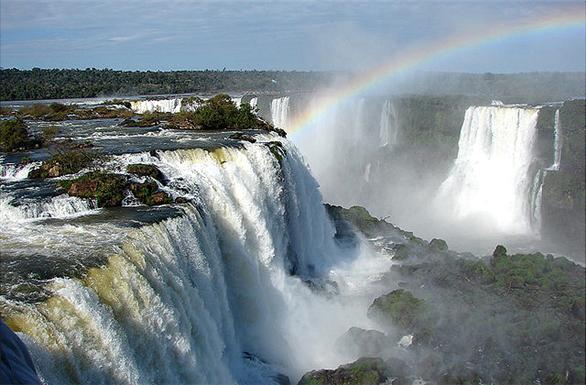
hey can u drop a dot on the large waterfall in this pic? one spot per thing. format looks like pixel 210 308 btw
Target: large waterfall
pixel 215 295
pixel 280 112
pixel 491 179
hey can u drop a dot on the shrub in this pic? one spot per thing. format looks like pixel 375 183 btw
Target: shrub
pixel 14 136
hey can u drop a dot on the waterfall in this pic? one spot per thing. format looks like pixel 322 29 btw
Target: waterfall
pixel 388 125
pixel 280 112
pixel 196 297
pixel 12 171
pixel 491 177
pixel 253 103
pixel 159 105
pixel 237 101
pixel 61 206
pixel 557 143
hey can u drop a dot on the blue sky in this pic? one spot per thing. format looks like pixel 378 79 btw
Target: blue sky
pixel 300 35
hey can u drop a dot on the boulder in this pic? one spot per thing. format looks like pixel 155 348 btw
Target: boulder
pixel 364 371
pixel 145 170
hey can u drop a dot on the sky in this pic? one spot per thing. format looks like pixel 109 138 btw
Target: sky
pixel 277 35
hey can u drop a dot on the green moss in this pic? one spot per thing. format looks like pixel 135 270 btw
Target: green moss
pixel 399 307
pixel 107 188
pixel 63 163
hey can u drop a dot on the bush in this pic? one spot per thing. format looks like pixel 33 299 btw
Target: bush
pixel 400 308
pixel 14 136
pixel 108 189
pixel 63 163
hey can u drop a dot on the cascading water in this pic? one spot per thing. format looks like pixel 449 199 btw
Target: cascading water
pixel 491 178
pixel 160 105
pixel 253 103
pixel 280 112
pixel 558 142
pixel 206 297
pixel 388 125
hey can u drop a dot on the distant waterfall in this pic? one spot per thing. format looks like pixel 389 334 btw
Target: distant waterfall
pixel 160 105
pixel 557 143
pixel 491 177
pixel 280 112
pixel 388 125
pixel 253 103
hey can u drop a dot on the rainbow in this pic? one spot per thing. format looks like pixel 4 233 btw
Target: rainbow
pixel 417 56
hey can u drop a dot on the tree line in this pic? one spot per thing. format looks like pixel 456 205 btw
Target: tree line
pixel 75 83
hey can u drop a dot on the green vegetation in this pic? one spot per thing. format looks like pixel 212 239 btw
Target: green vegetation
pixel 365 371
pixel 107 188
pixel 49 134
pixel 505 319
pixel 62 163
pixel 14 136
pixel 71 83
pixel 400 308
pixel 58 112
pixel 216 113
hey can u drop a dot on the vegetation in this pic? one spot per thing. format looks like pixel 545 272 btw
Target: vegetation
pixel 71 83
pixel 505 319
pixel 14 136
pixel 58 112
pixel 64 162
pixel 399 307
pixel 109 189
pixel 365 371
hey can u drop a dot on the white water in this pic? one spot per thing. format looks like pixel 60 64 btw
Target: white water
pixel 558 142
pixel 280 112
pixel 182 300
pixel 12 171
pixel 388 125
pixel 160 105
pixel 490 180
pixel 237 101
pixel 61 206
pixel 253 103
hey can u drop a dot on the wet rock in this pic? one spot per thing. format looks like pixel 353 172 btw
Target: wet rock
pixel 361 342
pixel 364 371
pixel 145 170
pixel 242 136
pixel 437 244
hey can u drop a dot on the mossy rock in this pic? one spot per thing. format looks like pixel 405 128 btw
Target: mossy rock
pixel 438 245
pixel 399 308
pixel 242 136
pixel 107 188
pixel 277 149
pixel 63 163
pixel 145 170
pixel 364 371
pixel 149 194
